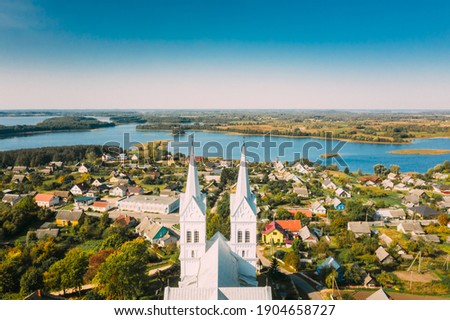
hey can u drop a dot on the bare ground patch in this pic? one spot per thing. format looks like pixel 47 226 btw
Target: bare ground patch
pixel 416 277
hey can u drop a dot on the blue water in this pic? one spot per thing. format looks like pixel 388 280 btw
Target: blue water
pixel 355 155
pixel 14 121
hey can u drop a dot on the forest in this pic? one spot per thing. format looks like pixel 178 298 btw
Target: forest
pixel 42 156
pixel 65 123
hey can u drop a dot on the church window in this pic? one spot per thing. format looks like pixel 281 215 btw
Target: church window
pixel 247 236
pixel 239 236
pixel 196 236
pixel 188 236
pixel 192 254
pixel 243 253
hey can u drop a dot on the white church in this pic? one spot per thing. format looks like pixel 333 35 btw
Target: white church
pixel 218 269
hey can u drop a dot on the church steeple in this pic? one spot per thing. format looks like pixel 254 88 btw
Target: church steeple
pixel 243 186
pixel 243 216
pixel 192 185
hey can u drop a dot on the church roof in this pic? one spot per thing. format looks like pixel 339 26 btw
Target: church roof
pixel 249 293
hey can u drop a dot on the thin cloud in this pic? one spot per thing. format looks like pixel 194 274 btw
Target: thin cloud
pixel 19 15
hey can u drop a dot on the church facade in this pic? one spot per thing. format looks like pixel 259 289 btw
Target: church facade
pixel 218 269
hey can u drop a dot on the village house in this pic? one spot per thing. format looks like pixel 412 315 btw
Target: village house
pixel 308 236
pixel 442 189
pixel 118 191
pixel 79 189
pixel 125 221
pixel 359 228
pixel 373 179
pixel 379 295
pixel 433 238
pixel 101 206
pixel 341 193
pixel 421 194
pixel 318 208
pixel 20 169
pixel 401 187
pixel 43 233
pixel 107 157
pixel 69 217
pixel 392 176
pixel 98 182
pixel 155 204
pixel 11 199
pixel 300 168
pixel 63 195
pixel 302 211
pixel 331 263
pixel 46 200
pixel 337 204
pixel 388 213
pixel 410 227
pixel 423 212
pixel 83 169
pixel 369 281
pixel 19 178
pixel 155 232
pixel 83 201
pixel 383 256
pixel 407 179
pixel 273 233
pixel 135 190
pixel 328 184
pixel 302 191
pixel 387 184
pixel 291 226
pixel 410 200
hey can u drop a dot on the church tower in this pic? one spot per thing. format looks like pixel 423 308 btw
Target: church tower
pixel 192 226
pixel 243 216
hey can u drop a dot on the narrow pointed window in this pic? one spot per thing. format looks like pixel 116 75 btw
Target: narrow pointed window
pixel 196 236
pixel 188 236
pixel 239 237
pixel 247 236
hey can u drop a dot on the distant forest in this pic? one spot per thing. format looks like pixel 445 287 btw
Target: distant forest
pixel 66 123
pixel 42 156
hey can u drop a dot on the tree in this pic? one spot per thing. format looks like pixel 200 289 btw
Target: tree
pixel 443 219
pixel 30 281
pixel 274 270
pixel 394 168
pixel 94 263
pixel 217 223
pixel 124 273
pixel 68 272
pixel 380 170
pixel 346 170
pixel 298 245
pixel 357 211
pixel 283 214
pixel 223 207
pixel 331 278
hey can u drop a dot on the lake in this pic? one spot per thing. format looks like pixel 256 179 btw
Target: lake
pixel 356 155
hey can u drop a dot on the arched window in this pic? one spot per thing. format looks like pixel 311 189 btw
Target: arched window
pixel 196 236
pixel 188 236
pixel 239 236
pixel 243 253
pixel 192 254
pixel 247 236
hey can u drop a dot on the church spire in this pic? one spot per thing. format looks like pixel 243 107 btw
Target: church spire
pixel 243 185
pixel 192 185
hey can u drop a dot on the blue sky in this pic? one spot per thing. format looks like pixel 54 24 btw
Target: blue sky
pixel 225 54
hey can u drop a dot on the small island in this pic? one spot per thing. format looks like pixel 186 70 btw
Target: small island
pixel 329 155
pixel 420 151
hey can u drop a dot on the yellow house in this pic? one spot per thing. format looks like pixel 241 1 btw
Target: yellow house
pixel 273 233
pixel 69 218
